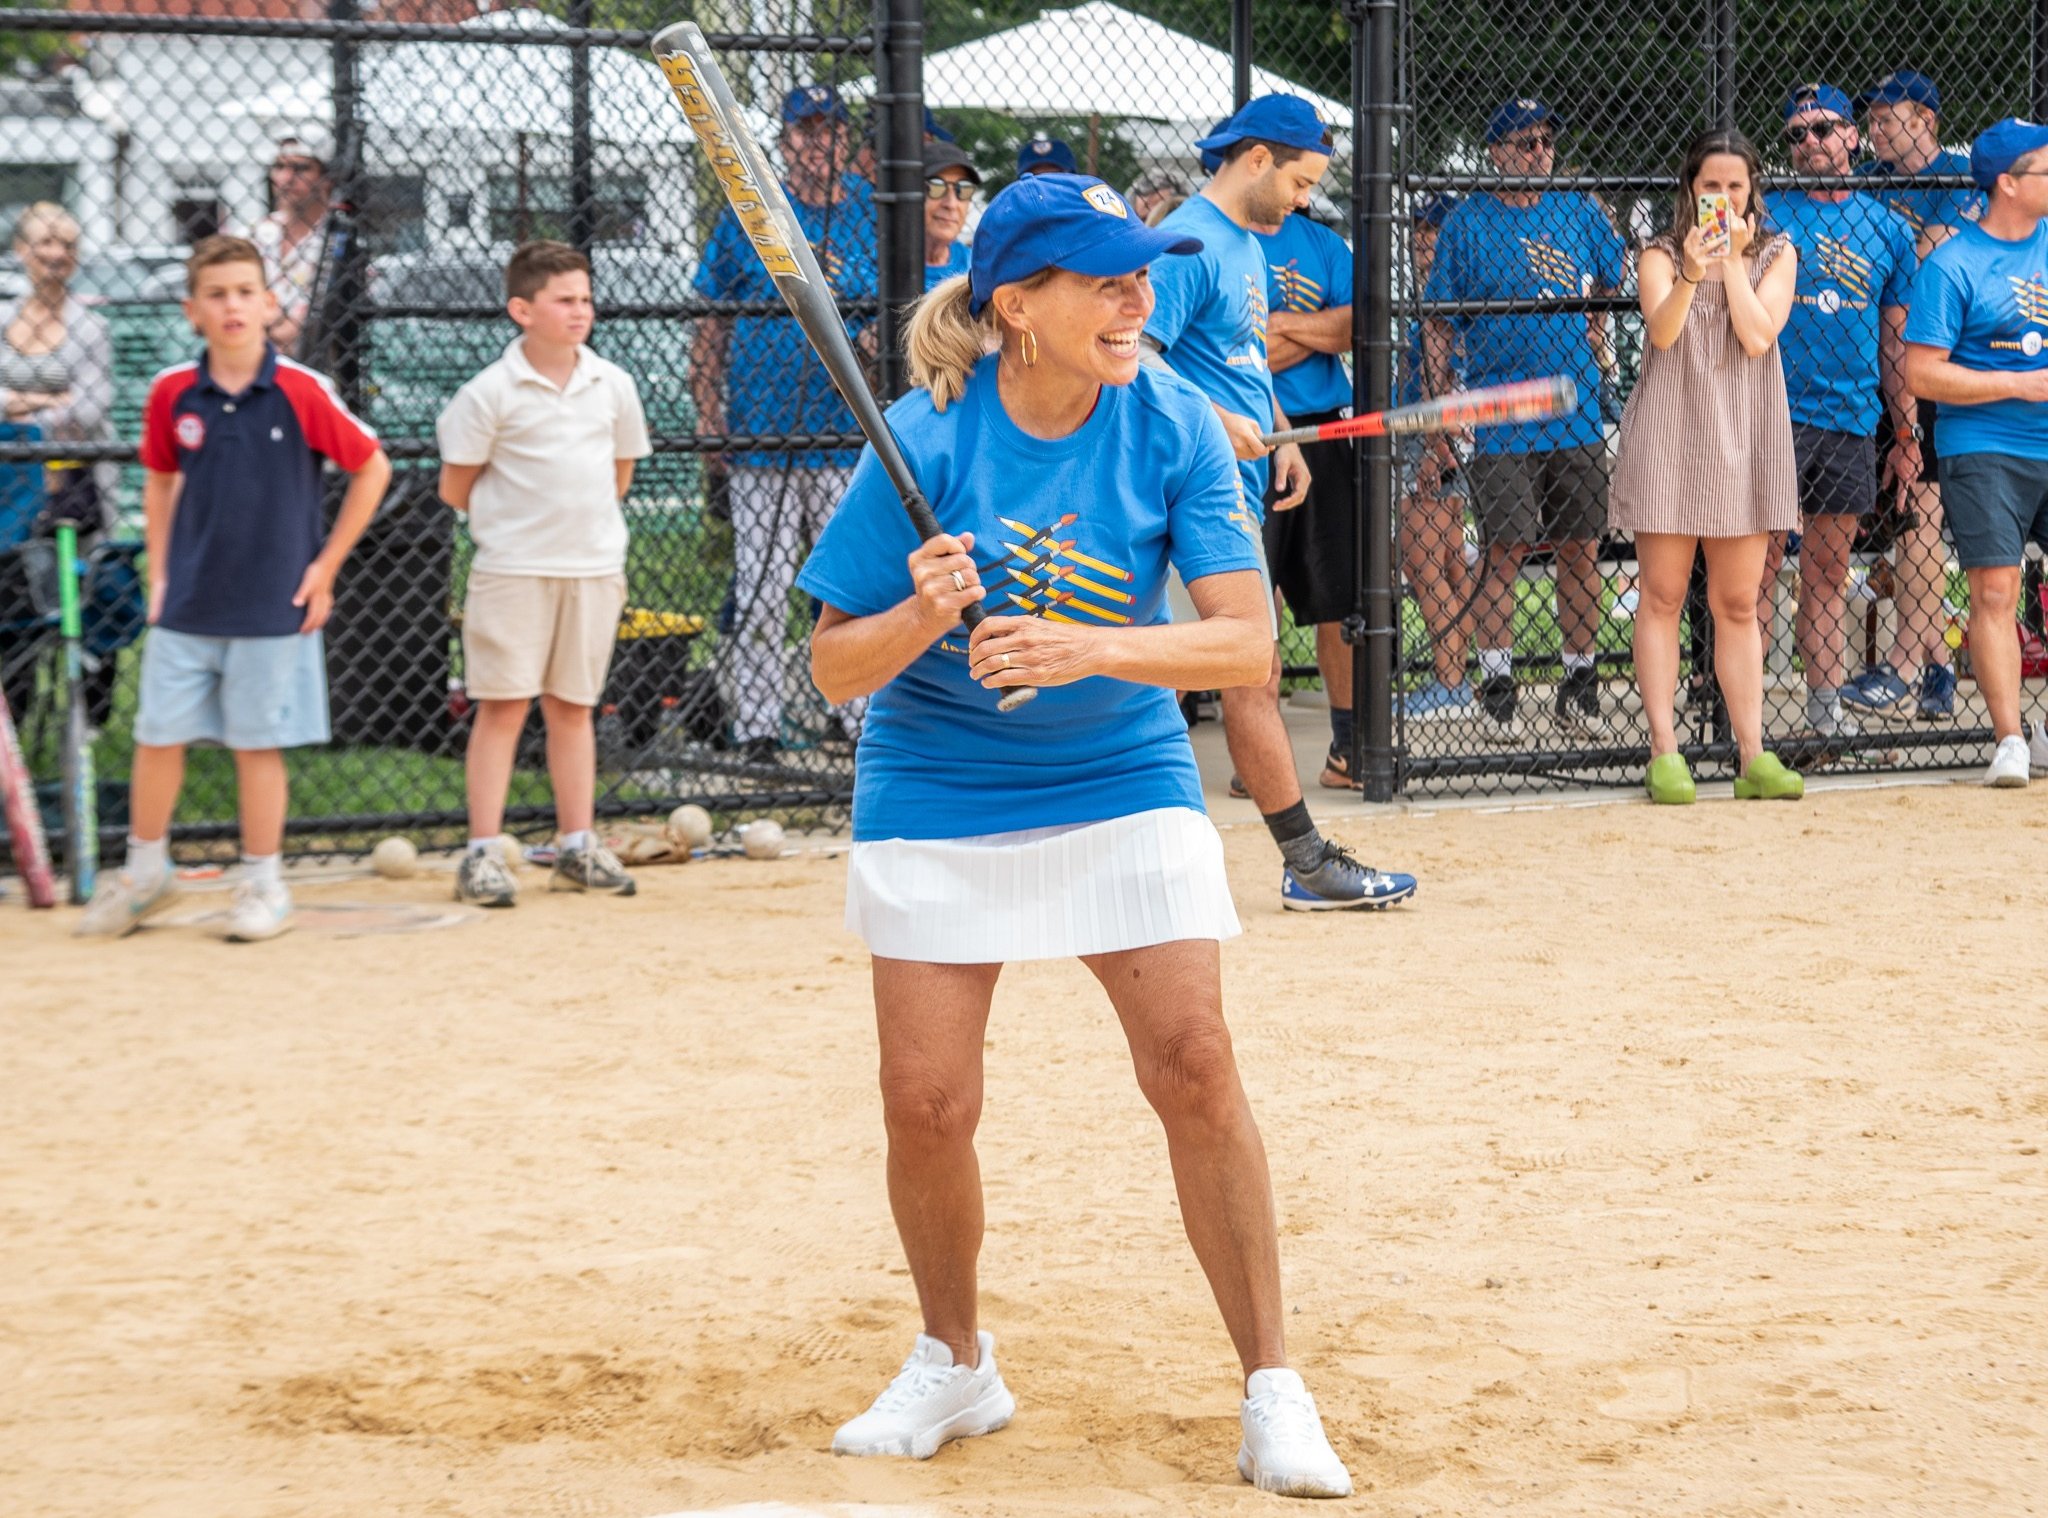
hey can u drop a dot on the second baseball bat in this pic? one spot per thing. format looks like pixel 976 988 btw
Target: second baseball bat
pixel 1493 406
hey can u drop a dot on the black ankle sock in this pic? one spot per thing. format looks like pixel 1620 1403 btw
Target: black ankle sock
pixel 1295 831
pixel 1340 729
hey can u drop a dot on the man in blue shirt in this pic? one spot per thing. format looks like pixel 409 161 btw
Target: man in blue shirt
pixel 1542 482
pixel 1902 115
pixel 756 375
pixel 1841 351
pixel 1313 549
pixel 1209 324
pixel 1977 345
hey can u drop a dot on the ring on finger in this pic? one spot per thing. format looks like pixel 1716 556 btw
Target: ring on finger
pixel 1006 661
pixel 958 582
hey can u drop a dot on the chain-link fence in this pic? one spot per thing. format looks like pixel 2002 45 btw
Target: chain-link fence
pixel 1502 174
pixel 1553 602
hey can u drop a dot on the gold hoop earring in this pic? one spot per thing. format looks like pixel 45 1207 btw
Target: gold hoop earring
pixel 1027 347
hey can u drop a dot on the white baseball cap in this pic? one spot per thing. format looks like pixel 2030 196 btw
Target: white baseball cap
pixel 309 141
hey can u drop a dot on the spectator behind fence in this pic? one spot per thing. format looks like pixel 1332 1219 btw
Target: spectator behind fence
pixel 1706 453
pixel 240 583
pixel 757 375
pixel 1208 324
pixel 950 180
pixel 56 375
pixel 539 449
pixel 293 237
pixel 1312 551
pixel 1540 482
pixel 1977 343
pixel 1156 187
pixel 1842 352
pixel 1041 154
pixel 1433 510
pixel 1902 111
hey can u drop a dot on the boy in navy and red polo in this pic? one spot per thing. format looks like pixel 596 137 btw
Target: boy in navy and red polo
pixel 241 580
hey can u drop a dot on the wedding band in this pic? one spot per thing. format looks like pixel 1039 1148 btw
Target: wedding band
pixel 1006 661
pixel 958 583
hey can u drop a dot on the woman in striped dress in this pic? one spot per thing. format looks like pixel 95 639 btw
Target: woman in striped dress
pixel 1706 455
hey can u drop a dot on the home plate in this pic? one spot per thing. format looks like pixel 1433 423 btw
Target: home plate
pixel 347 919
pixel 786 1510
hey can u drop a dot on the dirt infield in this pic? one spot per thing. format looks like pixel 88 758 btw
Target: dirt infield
pixel 1653 1162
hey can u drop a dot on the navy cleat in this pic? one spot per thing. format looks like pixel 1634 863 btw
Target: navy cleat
pixel 1340 883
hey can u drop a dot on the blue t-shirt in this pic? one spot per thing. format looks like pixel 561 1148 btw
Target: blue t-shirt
pixel 1986 301
pixel 1210 320
pixel 1924 208
pixel 1855 259
pixel 1563 245
pixel 956 263
pixel 1308 268
pixel 1079 528
pixel 773 380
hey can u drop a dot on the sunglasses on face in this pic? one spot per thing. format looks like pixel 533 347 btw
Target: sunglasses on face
pixel 1820 131
pixel 1535 142
pixel 939 189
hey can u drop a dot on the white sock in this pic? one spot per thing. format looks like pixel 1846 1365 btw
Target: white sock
pixel 483 845
pixel 582 838
pixel 1496 663
pixel 148 861
pixel 268 868
pixel 1573 663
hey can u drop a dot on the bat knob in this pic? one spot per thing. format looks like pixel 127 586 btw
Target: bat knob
pixel 1015 697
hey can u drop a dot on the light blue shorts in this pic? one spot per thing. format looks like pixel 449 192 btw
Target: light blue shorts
pixel 242 693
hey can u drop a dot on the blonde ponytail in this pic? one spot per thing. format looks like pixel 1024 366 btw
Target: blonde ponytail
pixel 944 342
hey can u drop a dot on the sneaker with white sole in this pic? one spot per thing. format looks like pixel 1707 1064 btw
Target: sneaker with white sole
pixel 596 868
pixel 483 880
pixel 117 908
pixel 930 1402
pixel 262 909
pixel 2009 766
pixel 1285 1450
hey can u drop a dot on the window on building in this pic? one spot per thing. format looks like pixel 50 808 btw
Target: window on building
pixel 523 208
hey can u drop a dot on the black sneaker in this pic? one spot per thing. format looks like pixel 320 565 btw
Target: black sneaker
pixel 1578 703
pixel 1497 699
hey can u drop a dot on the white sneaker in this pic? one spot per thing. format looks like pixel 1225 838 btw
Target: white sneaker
pixel 931 1401
pixel 2037 748
pixel 2009 764
pixel 117 908
pixel 1285 1450
pixel 262 909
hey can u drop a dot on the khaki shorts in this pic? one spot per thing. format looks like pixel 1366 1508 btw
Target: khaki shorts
pixel 525 635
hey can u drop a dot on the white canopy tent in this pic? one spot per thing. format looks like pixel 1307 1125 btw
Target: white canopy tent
pixel 1101 61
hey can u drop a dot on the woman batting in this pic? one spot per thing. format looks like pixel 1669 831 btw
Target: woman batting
pixel 1066 479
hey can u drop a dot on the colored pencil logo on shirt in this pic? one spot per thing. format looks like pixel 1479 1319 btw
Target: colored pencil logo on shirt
pixel 1842 264
pixel 1053 577
pixel 1550 264
pixel 1297 291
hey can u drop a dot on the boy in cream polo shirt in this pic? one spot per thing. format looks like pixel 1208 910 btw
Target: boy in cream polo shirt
pixel 539 450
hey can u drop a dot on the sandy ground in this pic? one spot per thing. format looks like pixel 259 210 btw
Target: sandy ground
pixel 1651 1162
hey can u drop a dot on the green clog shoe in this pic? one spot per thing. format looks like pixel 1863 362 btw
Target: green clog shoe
pixel 1668 781
pixel 1767 779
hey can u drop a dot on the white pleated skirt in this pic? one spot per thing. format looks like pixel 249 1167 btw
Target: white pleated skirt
pixel 1042 893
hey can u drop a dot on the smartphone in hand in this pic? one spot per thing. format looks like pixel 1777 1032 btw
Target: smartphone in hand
pixel 1716 220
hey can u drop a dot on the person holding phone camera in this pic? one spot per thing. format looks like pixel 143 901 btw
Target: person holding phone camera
pixel 1706 460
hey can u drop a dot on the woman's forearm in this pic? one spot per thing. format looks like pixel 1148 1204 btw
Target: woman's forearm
pixel 1754 327
pixel 857 656
pixel 1215 653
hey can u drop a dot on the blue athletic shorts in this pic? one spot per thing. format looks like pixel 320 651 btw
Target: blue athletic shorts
pixel 1994 502
pixel 242 693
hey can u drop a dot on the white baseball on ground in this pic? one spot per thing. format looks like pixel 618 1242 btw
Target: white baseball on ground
pixel 395 858
pixel 689 827
pixel 763 839
pixel 513 850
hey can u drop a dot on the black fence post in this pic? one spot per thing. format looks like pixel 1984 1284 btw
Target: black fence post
pixel 1374 632
pixel 1240 53
pixel 582 176
pixel 339 312
pixel 899 173
pixel 1725 38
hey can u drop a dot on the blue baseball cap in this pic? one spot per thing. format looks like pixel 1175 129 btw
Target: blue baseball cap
pixel 1211 159
pixel 932 127
pixel 1287 120
pixel 2002 145
pixel 1046 154
pixel 1062 221
pixel 809 100
pixel 1517 115
pixel 1903 86
pixel 1434 210
pixel 1818 97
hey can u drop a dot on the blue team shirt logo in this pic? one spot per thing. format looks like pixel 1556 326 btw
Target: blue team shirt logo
pixel 2031 296
pixel 1297 291
pixel 1251 331
pixel 1835 260
pixel 1043 575
pixel 1552 267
